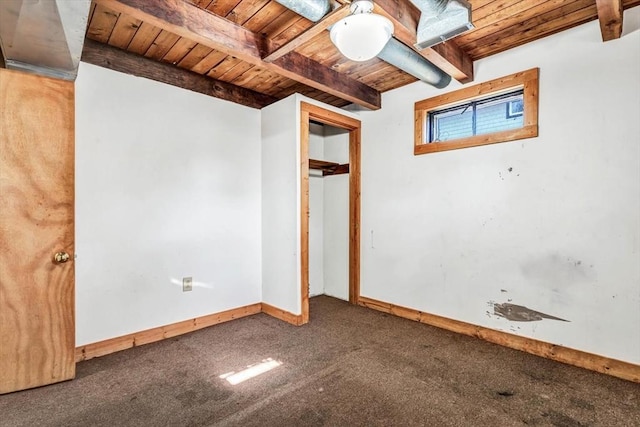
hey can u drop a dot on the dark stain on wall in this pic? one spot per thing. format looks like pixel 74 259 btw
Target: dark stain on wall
pixel 556 271
pixel 520 313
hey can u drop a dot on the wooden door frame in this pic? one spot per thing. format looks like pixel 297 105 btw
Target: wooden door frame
pixel 310 112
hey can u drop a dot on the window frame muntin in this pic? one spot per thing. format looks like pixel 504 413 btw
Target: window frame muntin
pixel 527 80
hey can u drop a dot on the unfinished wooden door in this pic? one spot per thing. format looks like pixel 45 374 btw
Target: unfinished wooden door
pixel 37 329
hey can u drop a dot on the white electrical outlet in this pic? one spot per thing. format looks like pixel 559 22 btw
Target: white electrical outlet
pixel 187 284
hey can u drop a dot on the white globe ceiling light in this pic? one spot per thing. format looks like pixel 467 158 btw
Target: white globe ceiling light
pixel 361 35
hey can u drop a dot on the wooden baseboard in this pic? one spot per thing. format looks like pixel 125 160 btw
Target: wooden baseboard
pixel 102 348
pixel 594 362
pixel 294 319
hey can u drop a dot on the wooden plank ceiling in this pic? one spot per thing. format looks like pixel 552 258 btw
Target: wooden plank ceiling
pixel 255 52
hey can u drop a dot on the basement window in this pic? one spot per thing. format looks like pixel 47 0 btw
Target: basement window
pixel 500 110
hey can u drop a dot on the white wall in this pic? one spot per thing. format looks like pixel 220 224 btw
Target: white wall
pixel 551 223
pixel 281 205
pixel 167 186
pixel 336 217
pixel 316 213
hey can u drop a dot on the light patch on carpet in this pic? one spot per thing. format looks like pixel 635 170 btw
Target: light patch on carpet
pixel 251 371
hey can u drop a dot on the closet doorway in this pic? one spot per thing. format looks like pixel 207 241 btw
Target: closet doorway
pixel 309 116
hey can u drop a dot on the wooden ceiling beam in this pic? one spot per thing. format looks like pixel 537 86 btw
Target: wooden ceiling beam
pixel 610 16
pixel 447 56
pixel 312 32
pixel 338 82
pixel 187 20
pixel 106 56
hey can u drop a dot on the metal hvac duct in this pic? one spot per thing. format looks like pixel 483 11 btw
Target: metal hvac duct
pixel 313 10
pixel 394 53
pixel 43 37
pixel 401 56
pixel 441 20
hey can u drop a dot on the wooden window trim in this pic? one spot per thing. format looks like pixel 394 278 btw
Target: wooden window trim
pixel 526 80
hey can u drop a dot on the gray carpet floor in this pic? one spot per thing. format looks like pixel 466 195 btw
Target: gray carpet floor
pixel 349 366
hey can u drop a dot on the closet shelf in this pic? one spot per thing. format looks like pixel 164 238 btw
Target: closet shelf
pixel 328 168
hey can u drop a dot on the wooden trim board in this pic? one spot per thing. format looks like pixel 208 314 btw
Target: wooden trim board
pixel 617 368
pixel 102 348
pixel 594 362
pixel 354 213
pixel 312 112
pixel 304 211
pixel 294 319
pixel 528 81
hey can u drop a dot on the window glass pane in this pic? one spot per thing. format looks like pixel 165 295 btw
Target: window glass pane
pixel 452 124
pixel 478 117
pixel 515 108
pixel 495 115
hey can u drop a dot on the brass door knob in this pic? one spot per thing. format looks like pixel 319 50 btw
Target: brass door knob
pixel 61 257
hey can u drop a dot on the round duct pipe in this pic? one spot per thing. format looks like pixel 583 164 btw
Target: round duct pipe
pixel 313 10
pixel 403 57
